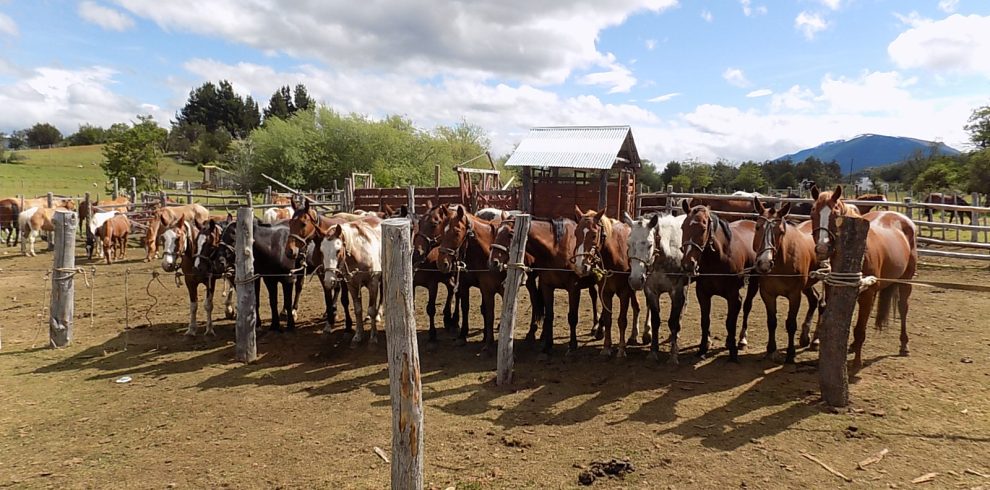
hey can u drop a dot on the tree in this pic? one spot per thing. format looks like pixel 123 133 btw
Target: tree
pixel 723 175
pixel 978 127
pixel 649 176
pixel 301 99
pixel 17 139
pixel 681 183
pixel 978 168
pixel 280 105
pixel 700 175
pixel 135 152
pixel 750 178
pixel 88 135
pixel 671 170
pixel 43 134
pixel 939 176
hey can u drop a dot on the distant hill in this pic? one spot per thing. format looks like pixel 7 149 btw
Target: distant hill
pixel 869 150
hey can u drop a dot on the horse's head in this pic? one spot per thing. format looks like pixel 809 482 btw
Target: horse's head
pixel 427 231
pixel 590 238
pixel 175 245
pixel 498 256
pixel 457 228
pixel 824 211
pixel 770 228
pixel 303 227
pixel 697 234
pixel 208 245
pixel 642 247
pixel 334 251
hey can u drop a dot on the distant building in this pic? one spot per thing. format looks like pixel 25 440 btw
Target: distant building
pixel 865 186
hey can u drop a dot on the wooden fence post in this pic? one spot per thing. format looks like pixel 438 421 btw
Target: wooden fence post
pixel 162 198
pixel 51 236
pixel 833 378
pixel 63 285
pixel 403 356
pixel 20 198
pixel 670 200
pixel 246 348
pixel 188 192
pixel 134 194
pixel 411 200
pixel 974 217
pixel 436 176
pixel 116 188
pixel 513 279
pixel 268 195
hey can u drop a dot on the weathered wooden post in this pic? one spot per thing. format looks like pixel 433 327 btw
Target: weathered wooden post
pixel 88 204
pixel 348 194
pixel 162 198
pixel 249 199
pixel 974 217
pixel 51 236
pixel 188 192
pixel 134 194
pixel 833 376
pixel 116 188
pixel 602 189
pixel 436 176
pixel 514 277
pixel 63 285
pixel 411 200
pixel 670 200
pixel 403 356
pixel 268 195
pixel 526 196
pixel 51 200
pixel 20 197
pixel 246 348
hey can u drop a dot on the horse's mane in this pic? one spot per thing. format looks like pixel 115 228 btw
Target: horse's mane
pixel 849 209
pixel 607 225
pixel 724 226
pixel 669 229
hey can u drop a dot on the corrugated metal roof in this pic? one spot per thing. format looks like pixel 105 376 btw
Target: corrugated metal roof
pixel 593 147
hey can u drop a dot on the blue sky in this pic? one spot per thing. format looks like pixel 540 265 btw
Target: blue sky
pixel 725 79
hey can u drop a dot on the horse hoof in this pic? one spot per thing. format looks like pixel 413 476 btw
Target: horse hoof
pixel 531 337
pixel 653 356
pixel 599 334
pixel 620 353
pixel 543 357
pixel 805 341
pixel 606 352
pixel 190 332
pixel 905 352
pixel 742 344
pixel 814 346
pixel 672 361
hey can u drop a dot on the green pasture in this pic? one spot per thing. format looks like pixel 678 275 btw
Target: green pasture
pixel 72 170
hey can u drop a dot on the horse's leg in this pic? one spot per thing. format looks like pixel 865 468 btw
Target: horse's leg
pixel 488 317
pixel 793 305
pixel 606 321
pixel 634 334
pixel 229 300
pixel 191 286
pixel 536 303
pixel 288 302
pixel 358 313
pixel 257 304
pixel 902 307
pixel 547 335
pixel 271 284
pixel 751 291
pixel 678 297
pixel 210 287
pixel 573 305
pixel 731 320
pixel 345 303
pixel 450 319
pixel 431 312
pixel 653 305
pixel 866 300
pixel 705 305
pixel 373 308
pixel 812 295
pixel 464 296
pixel 298 282
pixel 770 302
pixel 597 330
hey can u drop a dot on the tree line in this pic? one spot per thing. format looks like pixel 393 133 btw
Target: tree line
pixel 750 176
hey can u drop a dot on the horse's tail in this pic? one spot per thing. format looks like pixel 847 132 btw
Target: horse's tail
pixel 888 297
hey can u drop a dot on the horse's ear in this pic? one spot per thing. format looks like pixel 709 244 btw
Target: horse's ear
pixel 654 221
pixel 685 206
pixel 460 212
pixel 404 211
pixel 306 205
pixel 837 194
pixel 758 206
pixel 815 191
pixel 626 218
pixel 786 208
pixel 182 221
pixel 600 214
pixel 429 204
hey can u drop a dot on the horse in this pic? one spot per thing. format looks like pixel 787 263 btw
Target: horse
pixel 952 199
pixel 179 254
pixel 464 249
pixel 655 255
pixel 89 208
pixel 94 243
pixel 719 254
pixel 426 232
pixel 785 257
pixel 548 252
pixel 891 253
pixel 272 215
pixel 271 265
pixel 58 202
pixel 352 255
pixel 114 233
pixel 33 221
pixel 167 217
pixel 9 210
pixel 209 262
pixel 601 251
pixel 866 208
pixel 734 209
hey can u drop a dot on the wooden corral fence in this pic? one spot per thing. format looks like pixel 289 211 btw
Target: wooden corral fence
pixel 954 240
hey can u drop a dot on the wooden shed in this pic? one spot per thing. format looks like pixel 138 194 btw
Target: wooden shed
pixel 593 167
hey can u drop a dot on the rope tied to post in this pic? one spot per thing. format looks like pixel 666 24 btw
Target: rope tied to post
pixel 842 279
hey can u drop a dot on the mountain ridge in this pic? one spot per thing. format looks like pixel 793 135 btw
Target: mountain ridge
pixel 870 150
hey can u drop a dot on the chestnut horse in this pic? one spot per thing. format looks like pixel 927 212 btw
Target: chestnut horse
pixel 866 208
pixel 114 233
pixel 601 251
pixel 548 251
pixel 32 221
pixel 891 253
pixel 426 232
pixel 785 257
pixel 179 253
pixel 719 255
pixel 167 217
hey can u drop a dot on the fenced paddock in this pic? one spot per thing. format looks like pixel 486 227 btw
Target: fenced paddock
pixel 311 411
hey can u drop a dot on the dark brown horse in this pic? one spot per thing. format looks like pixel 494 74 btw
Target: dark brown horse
pixel 785 257
pixel 9 210
pixel 548 251
pixel 114 235
pixel 719 255
pixel 891 253
pixel 951 199
pixel 601 247
pixel 427 231
pixel 866 208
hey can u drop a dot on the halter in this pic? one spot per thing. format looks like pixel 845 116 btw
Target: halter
pixel 709 243
pixel 595 261
pixel 768 241
pixel 827 229
pixel 189 245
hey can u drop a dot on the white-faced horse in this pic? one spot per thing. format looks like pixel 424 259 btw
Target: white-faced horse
pixel 179 252
pixel 352 254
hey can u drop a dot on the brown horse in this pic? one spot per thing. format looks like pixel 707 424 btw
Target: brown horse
pixel 427 231
pixel 940 198
pixel 866 208
pixel 42 202
pixel 891 253
pixel 601 251
pixel 548 251
pixel 179 253
pixel 114 235
pixel 719 255
pixel 167 217
pixel 9 209
pixel 785 257
pixel 32 221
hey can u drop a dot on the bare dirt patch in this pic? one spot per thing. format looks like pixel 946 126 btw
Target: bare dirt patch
pixel 311 411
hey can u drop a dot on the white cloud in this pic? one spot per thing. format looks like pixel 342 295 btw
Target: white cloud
pixel 796 99
pixel 8 26
pixel 810 24
pixel 749 10
pixel 664 97
pixel 618 78
pixel 954 44
pixel 105 17
pixel 535 41
pixel 735 76
pixel 707 15
pixel 763 92
pixel 68 98
pixel 948 6
pixel 831 4
pixel 650 44
pixel 913 19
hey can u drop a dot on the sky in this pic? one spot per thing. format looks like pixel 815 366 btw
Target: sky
pixel 701 80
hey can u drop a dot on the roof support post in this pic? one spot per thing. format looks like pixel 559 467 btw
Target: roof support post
pixel 602 189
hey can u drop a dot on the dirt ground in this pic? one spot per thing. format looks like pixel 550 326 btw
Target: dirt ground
pixel 311 411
